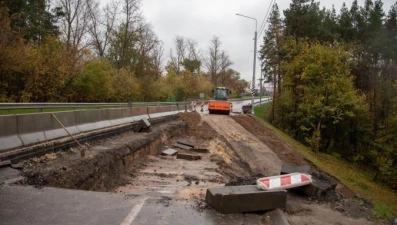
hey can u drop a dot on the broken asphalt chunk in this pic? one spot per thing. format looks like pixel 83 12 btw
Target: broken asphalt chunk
pixel 187 156
pixel 143 125
pixel 187 143
pixel 200 150
pixel 247 198
pixel 182 146
pixel 169 151
pixel 5 163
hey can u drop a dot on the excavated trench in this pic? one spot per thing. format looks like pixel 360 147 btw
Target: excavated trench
pixel 105 163
pixel 131 163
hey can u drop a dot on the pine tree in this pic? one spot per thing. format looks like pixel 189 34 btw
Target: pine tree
pixel 270 55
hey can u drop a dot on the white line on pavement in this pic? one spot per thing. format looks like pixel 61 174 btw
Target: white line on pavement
pixel 134 212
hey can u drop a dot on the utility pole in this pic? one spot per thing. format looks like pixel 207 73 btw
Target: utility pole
pixel 260 90
pixel 253 75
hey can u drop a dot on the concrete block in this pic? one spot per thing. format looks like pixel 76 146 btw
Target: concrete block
pixel 187 156
pixel 9 137
pixel 200 150
pixel 182 146
pixel 5 163
pixel 319 187
pixel 169 151
pixel 287 168
pixel 143 125
pixel 247 198
pixel 184 142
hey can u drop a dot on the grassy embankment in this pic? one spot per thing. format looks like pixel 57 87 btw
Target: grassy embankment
pixel 384 199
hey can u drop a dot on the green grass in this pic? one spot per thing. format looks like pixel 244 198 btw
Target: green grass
pixel 360 182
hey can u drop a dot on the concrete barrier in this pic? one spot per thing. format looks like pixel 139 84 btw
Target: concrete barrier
pixel 26 129
pixel 174 108
pixel 119 116
pixel 153 109
pixel 38 127
pixel 87 120
pixel 56 130
pixel 31 127
pixel 9 137
pixel 138 111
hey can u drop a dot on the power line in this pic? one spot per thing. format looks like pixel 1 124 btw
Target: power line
pixel 262 27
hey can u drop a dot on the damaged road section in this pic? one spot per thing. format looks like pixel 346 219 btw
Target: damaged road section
pixel 105 162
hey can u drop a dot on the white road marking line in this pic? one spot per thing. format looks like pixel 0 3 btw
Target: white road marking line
pixel 134 212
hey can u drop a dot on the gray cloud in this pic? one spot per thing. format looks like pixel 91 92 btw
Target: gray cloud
pixel 202 19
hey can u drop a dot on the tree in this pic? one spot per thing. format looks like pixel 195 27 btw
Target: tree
pixel 328 95
pixel 303 20
pixel 180 49
pixel 101 27
pixel 329 29
pixel 225 63
pixel 192 65
pixel 213 60
pixel 345 24
pixel 74 22
pixel 32 19
pixel 94 82
pixel 271 55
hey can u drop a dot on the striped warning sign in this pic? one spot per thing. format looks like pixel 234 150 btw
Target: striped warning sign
pixel 284 181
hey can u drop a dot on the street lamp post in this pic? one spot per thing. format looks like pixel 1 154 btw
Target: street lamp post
pixel 253 76
pixel 260 90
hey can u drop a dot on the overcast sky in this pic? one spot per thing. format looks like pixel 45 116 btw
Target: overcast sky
pixel 202 19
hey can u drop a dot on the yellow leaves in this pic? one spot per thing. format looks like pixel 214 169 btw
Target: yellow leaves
pixel 125 86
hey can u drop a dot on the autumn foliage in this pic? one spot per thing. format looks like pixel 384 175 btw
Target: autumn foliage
pixel 78 51
pixel 335 82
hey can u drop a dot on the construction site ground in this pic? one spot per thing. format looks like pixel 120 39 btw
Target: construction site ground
pixel 241 150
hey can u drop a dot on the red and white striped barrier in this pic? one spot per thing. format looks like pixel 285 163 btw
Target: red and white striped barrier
pixel 283 182
pixel 202 107
pixel 193 104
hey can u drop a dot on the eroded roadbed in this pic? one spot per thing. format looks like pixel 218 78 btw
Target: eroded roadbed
pixel 134 184
pixel 171 177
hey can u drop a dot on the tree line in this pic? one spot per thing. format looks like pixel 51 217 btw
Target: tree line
pixel 334 81
pixel 80 51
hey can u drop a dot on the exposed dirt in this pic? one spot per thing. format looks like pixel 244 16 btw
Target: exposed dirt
pixel 341 206
pixel 131 164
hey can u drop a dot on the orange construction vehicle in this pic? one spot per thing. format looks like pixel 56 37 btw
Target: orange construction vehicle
pixel 220 103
